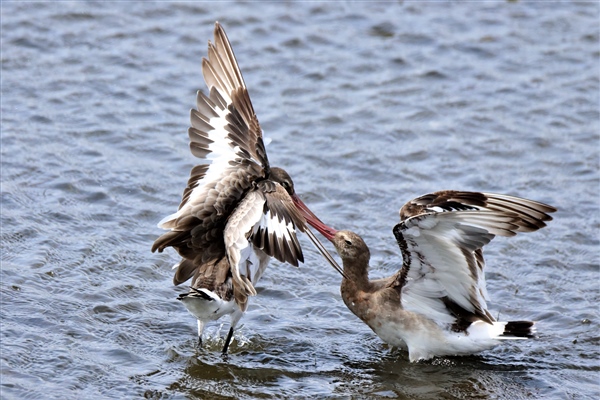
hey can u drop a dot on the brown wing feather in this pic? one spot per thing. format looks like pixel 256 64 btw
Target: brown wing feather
pixel 224 126
pixel 532 215
pixel 280 206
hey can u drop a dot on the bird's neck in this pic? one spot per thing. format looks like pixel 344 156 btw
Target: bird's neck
pixel 356 291
pixel 358 277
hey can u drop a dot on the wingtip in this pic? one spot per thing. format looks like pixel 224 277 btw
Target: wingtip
pixel 219 31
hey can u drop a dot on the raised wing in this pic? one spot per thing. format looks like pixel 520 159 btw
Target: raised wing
pixel 532 214
pixel 440 277
pixel 225 133
pixel 441 237
pixel 266 219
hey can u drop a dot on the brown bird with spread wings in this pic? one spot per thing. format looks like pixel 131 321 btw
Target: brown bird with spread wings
pixel 237 211
pixel 435 305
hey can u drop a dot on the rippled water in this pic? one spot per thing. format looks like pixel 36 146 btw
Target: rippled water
pixel 368 106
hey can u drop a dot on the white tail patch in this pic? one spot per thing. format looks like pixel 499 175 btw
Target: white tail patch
pixel 483 330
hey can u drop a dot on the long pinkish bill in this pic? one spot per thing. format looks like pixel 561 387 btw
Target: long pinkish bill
pixel 313 220
pixel 325 230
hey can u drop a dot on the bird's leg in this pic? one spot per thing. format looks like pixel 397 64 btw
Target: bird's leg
pixel 200 329
pixel 227 341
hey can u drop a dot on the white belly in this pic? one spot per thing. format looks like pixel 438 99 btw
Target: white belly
pixel 425 339
pixel 209 310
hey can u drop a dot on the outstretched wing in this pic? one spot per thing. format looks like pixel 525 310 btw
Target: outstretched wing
pixel 441 238
pixel 532 214
pixel 225 133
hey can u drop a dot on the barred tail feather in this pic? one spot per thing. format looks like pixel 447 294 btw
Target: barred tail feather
pixel 518 329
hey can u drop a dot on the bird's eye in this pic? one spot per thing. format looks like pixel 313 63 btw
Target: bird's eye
pixel 349 243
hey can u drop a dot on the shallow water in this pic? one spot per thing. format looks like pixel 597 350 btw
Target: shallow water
pixel 367 106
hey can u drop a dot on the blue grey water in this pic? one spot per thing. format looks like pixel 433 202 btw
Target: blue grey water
pixel 368 105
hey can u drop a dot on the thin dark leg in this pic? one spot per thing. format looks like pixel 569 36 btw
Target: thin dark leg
pixel 200 329
pixel 227 341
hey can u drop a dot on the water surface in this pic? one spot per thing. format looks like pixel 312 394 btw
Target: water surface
pixel 367 106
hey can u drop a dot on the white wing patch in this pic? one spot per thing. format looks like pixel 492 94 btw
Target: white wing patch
pixel 219 152
pixel 440 247
pixel 275 226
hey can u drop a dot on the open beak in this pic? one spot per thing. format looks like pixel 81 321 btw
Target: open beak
pixel 325 230
pixel 313 220
pixel 324 252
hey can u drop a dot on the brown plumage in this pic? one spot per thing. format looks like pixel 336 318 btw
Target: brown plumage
pixel 236 210
pixel 532 214
pixel 435 304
